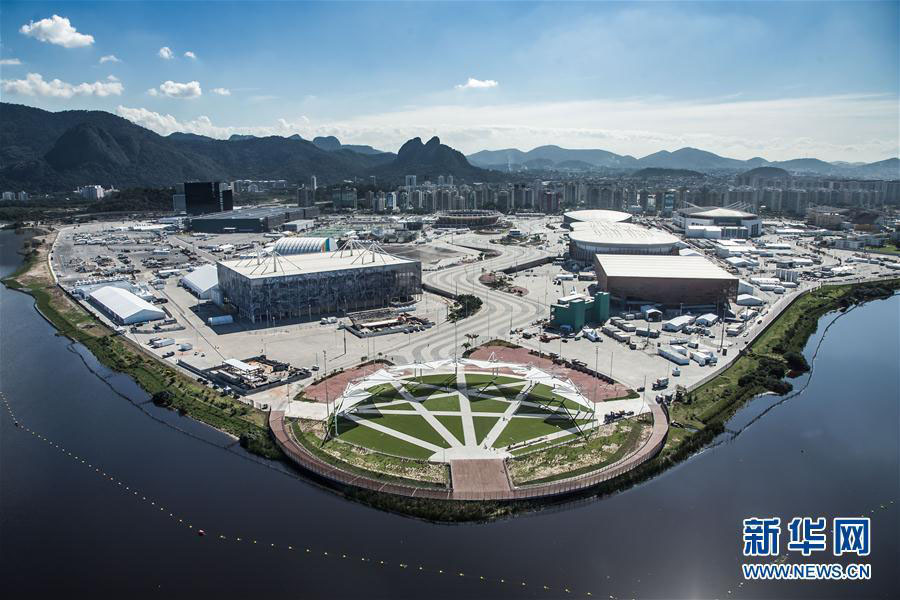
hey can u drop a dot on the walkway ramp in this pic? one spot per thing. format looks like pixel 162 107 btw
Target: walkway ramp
pixel 477 478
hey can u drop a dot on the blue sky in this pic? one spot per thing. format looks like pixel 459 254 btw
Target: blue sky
pixel 779 80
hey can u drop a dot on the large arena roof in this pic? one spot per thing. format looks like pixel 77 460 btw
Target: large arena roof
pixel 609 233
pixel 717 213
pixel 318 262
pixel 660 267
pixel 614 216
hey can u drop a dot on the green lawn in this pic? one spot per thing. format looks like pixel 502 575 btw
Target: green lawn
pixel 413 425
pixel 386 391
pixel 488 405
pixel 521 429
pixel 442 403
pixel 888 248
pixel 454 424
pixel 423 391
pixel 367 437
pixel 476 379
pixel 545 398
pixel 483 425
pixel 532 410
pixel 506 392
pixel 400 406
pixel 443 379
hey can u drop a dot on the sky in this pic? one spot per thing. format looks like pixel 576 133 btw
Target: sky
pixel 778 80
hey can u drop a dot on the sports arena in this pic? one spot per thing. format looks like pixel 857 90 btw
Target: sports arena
pixel 591 215
pixel 608 237
pixel 717 222
pixel 471 219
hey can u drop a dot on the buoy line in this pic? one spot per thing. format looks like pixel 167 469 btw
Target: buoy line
pixel 307 551
pixel 299 549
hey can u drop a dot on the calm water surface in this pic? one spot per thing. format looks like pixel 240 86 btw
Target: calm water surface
pixel 831 450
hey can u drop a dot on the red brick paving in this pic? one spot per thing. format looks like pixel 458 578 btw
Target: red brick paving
pixel 338 383
pixel 592 388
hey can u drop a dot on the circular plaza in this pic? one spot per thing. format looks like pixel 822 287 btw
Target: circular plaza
pixel 468 429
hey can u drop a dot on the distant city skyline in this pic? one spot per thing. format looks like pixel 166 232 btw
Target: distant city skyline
pixel 777 80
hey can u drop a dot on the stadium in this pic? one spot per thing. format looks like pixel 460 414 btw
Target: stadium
pixel 464 408
pixel 716 222
pixel 471 219
pixel 586 216
pixel 304 286
pixel 609 237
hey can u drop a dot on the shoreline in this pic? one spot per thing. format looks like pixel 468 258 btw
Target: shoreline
pixel 708 407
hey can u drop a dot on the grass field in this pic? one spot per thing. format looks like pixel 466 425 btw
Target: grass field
pixel 439 393
pixel 483 426
pixel 522 429
pixel 360 435
pixel 454 424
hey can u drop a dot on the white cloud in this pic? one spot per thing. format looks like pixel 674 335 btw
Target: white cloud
pixel 849 127
pixel 164 124
pixel 221 91
pixel 846 127
pixel 35 85
pixel 56 30
pixel 110 58
pixel 190 55
pixel 166 53
pixel 10 62
pixel 475 84
pixel 173 89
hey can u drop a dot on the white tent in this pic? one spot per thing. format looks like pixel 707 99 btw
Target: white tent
pixel 203 281
pixel 124 307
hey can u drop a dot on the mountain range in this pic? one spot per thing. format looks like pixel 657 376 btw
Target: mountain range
pixel 43 151
pixel 555 157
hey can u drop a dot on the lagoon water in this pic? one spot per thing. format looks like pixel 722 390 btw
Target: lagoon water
pixel 831 450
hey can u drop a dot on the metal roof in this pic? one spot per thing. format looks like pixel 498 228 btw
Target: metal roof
pixel 202 279
pixel 715 212
pixel 303 245
pixel 619 234
pixel 660 266
pixel 597 215
pixel 255 212
pixel 317 262
pixel 126 305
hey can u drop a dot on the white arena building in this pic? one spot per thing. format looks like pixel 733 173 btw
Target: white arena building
pixel 587 216
pixel 608 237
pixel 716 222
